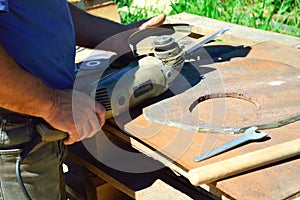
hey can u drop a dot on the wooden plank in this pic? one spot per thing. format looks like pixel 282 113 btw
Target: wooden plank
pixel 101 8
pixel 140 186
pixel 244 163
pixel 82 159
pixel 108 10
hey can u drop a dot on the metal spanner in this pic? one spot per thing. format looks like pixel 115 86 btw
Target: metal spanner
pixel 249 135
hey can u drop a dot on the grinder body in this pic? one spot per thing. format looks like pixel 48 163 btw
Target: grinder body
pixel 142 79
pixel 161 62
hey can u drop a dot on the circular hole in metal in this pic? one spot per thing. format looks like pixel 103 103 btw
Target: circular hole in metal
pixel 229 110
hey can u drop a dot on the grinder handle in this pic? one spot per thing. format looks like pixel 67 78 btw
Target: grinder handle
pixel 50 135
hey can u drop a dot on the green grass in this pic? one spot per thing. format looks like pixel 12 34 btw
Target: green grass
pixel 129 14
pixel 281 16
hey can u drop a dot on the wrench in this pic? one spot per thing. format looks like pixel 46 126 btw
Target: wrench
pixel 249 135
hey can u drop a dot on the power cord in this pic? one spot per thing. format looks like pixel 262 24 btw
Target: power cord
pixel 45 135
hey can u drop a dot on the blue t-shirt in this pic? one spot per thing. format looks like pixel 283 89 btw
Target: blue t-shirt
pixel 39 35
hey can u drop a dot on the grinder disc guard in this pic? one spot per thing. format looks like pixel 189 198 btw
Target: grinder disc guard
pixel 141 41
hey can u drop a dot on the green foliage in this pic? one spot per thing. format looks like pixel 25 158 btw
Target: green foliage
pixel 129 14
pixel 123 3
pixel 273 15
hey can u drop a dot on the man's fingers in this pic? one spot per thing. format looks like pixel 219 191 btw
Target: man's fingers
pixel 78 114
pixel 101 114
pixel 71 139
pixel 153 22
pixel 88 128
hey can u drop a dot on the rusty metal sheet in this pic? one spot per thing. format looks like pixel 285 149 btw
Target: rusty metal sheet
pixel 259 90
pixel 278 181
pixel 272 51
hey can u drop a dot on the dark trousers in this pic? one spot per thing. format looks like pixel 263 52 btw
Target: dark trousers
pixel 41 169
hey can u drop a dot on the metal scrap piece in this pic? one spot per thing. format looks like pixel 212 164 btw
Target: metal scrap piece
pixel 235 95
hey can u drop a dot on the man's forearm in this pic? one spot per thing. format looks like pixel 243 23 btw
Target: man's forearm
pixel 24 93
pixel 21 91
pixel 90 30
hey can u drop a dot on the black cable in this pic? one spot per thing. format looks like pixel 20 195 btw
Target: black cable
pixel 43 133
pixel 19 177
pixel 20 158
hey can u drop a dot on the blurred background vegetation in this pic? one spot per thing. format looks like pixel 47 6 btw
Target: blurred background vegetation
pixel 281 16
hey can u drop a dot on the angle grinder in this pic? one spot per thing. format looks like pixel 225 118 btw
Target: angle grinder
pixel 162 58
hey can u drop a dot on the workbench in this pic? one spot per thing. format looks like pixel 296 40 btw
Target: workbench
pixel 151 160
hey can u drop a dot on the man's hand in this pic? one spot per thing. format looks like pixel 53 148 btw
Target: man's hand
pixel 71 111
pixel 119 42
pixel 153 22
pixel 77 114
